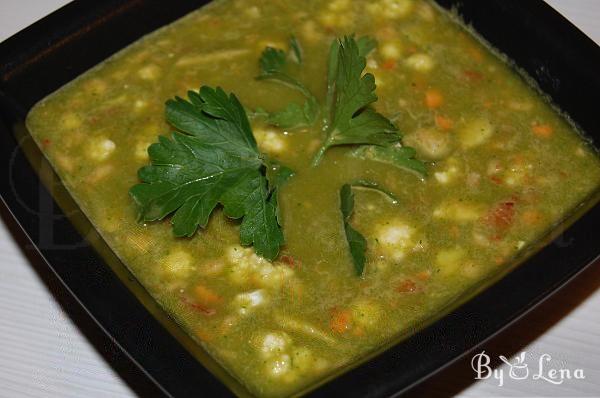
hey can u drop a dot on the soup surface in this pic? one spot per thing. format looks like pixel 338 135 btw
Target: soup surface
pixel 503 168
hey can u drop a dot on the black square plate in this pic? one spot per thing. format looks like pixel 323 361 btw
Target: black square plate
pixel 37 61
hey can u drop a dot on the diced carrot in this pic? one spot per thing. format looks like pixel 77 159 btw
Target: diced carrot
pixel 340 320
pixel 496 180
pixel 406 286
pixel 501 216
pixel 389 64
pixel 433 98
pixel 423 275
pixel 444 123
pixel 207 296
pixel 542 130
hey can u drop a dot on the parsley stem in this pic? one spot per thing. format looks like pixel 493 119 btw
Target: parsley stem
pixel 319 155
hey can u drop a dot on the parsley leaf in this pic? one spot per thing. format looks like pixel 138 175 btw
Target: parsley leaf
pixel 350 120
pixel 398 156
pixel 212 159
pixel 356 241
pixel 273 64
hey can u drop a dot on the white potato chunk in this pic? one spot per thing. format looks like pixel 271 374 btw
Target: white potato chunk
pixel 390 9
pixel 279 365
pixel 270 141
pixel 178 263
pixel 447 176
pixel 420 62
pixel 394 9
pixel 100 148
pixel 475 132
pixel 331 19
pixel 273 276
pixel 140 104
pixel 462 212
pixel 246 266
pixel 274 343
pixel 431 143
pixel 249 300
pixel 149 72
pixel 395 239
pixel 391 50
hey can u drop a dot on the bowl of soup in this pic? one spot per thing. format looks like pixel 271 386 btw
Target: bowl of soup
pixel 299 196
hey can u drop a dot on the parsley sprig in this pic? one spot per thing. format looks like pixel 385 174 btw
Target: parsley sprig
pixel 349 118
pixel 212 159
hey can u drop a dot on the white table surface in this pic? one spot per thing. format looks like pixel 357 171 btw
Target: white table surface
pixel 50 348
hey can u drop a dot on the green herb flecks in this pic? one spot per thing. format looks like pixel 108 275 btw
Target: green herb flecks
pixel 212 159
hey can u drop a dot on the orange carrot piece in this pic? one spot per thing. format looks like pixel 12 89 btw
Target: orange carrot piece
pixel 389 64
pixel 423 275
pixel 433 98
pixel 340 321
pixel 207 296
pixel 542 130
pixel 406 286
pixel 444 123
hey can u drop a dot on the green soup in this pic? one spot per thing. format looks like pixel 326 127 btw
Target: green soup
pixel 500 161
